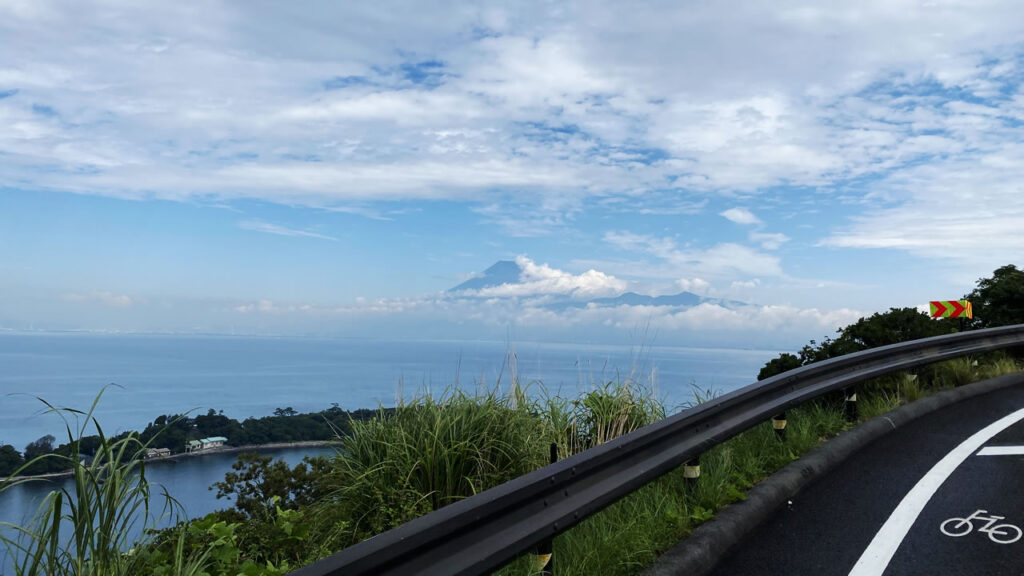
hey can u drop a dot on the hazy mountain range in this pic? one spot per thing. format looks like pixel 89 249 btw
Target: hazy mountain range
pixel 509 273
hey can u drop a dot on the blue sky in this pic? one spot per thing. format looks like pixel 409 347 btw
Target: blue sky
pixel 333 169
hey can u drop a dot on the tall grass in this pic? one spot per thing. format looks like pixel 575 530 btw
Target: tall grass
pixel 431 452
pixel 610 410
pixel 93 527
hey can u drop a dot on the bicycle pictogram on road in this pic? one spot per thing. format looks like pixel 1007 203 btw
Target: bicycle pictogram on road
pixel 1005 533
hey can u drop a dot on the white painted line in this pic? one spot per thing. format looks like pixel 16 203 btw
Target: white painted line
pixel 1001 451
pixel 879 553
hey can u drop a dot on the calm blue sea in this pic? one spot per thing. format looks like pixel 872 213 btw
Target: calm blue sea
pixel 253 376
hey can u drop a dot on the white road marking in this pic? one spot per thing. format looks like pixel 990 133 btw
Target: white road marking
pixel 879 553
pixel 1001 451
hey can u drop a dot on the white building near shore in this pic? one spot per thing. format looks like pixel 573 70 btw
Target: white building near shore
pixel 205 444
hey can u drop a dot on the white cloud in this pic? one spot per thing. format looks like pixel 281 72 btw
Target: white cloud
pixel 968 213
pixel 698 286
pixel 748 322
pixel 740 216
pixel 527 72
pixel 769 240
pixel 722 260
pixel 761 318
pixel 180 101
pixel 520 221
pixel 541 279
pixel 268 228
pixel 407 108
pixel 108 299
pixel 259 306
pixel 746 284
pixel 266 306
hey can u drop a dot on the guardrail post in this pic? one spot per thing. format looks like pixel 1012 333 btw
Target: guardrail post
pixel 779 425
pixel 691 470
pixel 850 404
pixel 544 559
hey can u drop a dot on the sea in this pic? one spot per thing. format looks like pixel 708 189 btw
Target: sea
pixel 143 376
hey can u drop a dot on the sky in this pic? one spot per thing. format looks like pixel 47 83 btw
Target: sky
pixel 332 168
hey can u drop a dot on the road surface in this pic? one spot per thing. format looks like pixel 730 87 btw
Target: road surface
pixel 942 495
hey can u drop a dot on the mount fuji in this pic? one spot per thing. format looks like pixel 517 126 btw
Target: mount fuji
pixel 509 274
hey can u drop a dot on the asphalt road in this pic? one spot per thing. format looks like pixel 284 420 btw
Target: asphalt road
pixel 888 508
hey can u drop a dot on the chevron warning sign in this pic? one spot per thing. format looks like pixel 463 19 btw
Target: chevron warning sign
pixel 951 309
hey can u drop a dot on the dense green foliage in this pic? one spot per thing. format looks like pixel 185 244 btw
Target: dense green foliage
pixel 10 460
pixel 172 431
pixel 784 363
pixel 38 448
pixel 879 329
pixel 30 462
pixel 999 300
pixel 258 484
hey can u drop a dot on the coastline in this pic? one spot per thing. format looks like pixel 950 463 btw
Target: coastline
pixel 183 455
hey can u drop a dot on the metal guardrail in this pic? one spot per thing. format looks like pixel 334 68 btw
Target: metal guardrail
pixel 483 532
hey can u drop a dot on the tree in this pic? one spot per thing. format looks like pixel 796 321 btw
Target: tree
pixel 39 447
pixel 999 300
pixel 214 424
pixel 289 411
pixel 879 329
pixel 42 447
pixel 784 363
pixel 256 479
pixel 896 325
pixel 10 460
pixel 169 431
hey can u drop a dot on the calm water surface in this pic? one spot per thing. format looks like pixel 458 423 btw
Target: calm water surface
pixel 253 376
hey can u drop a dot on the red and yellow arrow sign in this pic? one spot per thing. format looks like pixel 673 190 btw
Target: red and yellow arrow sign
pixel 951 309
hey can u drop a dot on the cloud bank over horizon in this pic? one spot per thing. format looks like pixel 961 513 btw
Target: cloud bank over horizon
pixel 532 307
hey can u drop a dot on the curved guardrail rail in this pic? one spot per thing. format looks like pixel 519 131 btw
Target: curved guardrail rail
pixel 481 533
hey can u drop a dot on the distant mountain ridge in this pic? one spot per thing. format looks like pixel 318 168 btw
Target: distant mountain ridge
pixel 634 299
pixel 509 272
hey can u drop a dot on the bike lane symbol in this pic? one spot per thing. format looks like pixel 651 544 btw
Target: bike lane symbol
pixel 1005 533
